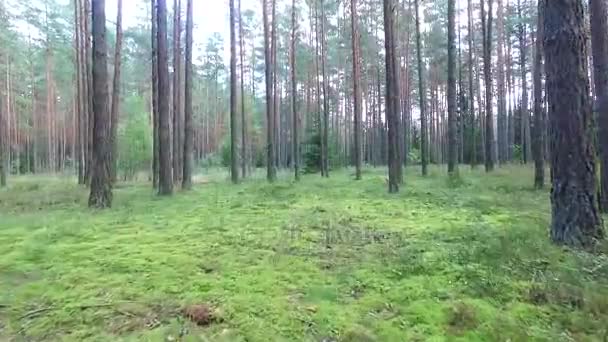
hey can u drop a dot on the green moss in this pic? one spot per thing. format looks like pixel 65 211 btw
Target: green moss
pixel 329 259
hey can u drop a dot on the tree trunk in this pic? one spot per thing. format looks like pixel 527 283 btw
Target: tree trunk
pixel 116 94
pixel 188 126
pixel 525 115
pixel 421 92
pixel 356 87
pixel 165 160
pixel 270 169
pixel 155 111
pixel 294 94
pixel 539 113
pixel 500 82
pixel 576 219
pixel 234 162
pixel 244 143
pixel 392 98
pixel 101 180
pixel 599 44
pixel 471 88
pixel 325 138
pixel 177 90
pixel 487 71
pixel 452 105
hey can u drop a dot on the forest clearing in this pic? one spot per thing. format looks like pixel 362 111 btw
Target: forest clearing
pixel 303 170
pixel 468 261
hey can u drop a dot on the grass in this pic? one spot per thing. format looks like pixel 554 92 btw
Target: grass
pixel 319 260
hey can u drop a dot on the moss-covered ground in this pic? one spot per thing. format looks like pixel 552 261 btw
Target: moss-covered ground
pixel 319 260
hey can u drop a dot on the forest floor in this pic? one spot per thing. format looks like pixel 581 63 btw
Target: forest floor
pixel 320 260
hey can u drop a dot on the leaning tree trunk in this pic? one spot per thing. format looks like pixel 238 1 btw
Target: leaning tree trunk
pixel 539 113
pixel 599 44
pixel 576 220
pixel 101 180
pixel 188 128
pixel 165 160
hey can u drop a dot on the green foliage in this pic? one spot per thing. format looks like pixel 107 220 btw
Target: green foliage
pixel 134 138
pixel 321 259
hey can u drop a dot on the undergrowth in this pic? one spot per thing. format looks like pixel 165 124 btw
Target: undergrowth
pixel 466 259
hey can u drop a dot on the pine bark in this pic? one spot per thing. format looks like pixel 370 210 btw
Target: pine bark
pixel 356 88
pixel 393 117
pixel 101 180
pixel 188 125
pixel 575 216
pixel 165 160
pixel 500 82
pixel 325 85
pixel 115 107
pixel 486 22
pixel 177 90
pixel 452 105
pixel 422 93
pixel 472 115
pixel 155 111
pixel 539 113
pixel 234 158
pixel 244 143
pixel 599 44
pixel 271 174
pixel 294 94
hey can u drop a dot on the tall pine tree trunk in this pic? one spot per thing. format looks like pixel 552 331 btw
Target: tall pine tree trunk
pixel 188 126
pixel 422 93
pixel 294 95
pixel 244 143
pixel 177 90
pixel 116 93
pixel 392 98
pixel 356 88
pixel 502 92
pixel 576 220
pixel 101 180
pixel 165 161
pixel 539 113
pixel 155 111
pixel 271 174
pixel 234 159
pixel 486 22
pixel 599 44
pixel 452 105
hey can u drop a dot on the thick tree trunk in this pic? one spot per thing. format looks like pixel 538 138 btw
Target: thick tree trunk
pixel 165 160
pixel 452 105
pixel 356 88
pixel 422 93
pixel 234 158
pixel 599 44
pixel 101 180
pixel 392 99
pixel 116 93
pixel 576 219
pixel 539 113
pixel 188 126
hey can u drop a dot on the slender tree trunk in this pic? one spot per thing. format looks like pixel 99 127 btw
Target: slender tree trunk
pixel 502 93
pixel 3 145
pixel 421 92
pixel 325 137
pixel 487 66
pixel 525 115
pixel 539 114
pixel 244 143
pixel 155 109
pixel 101 180
pixel 270 169
pixel 234 162
pixel 294 95
pixel 188 126
pixel 116 94
pixel 471 88
pixel 452 105
pixel 165 161
pixel 599 44
pixel 177 90
pixel 576 220
pixel 356 87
